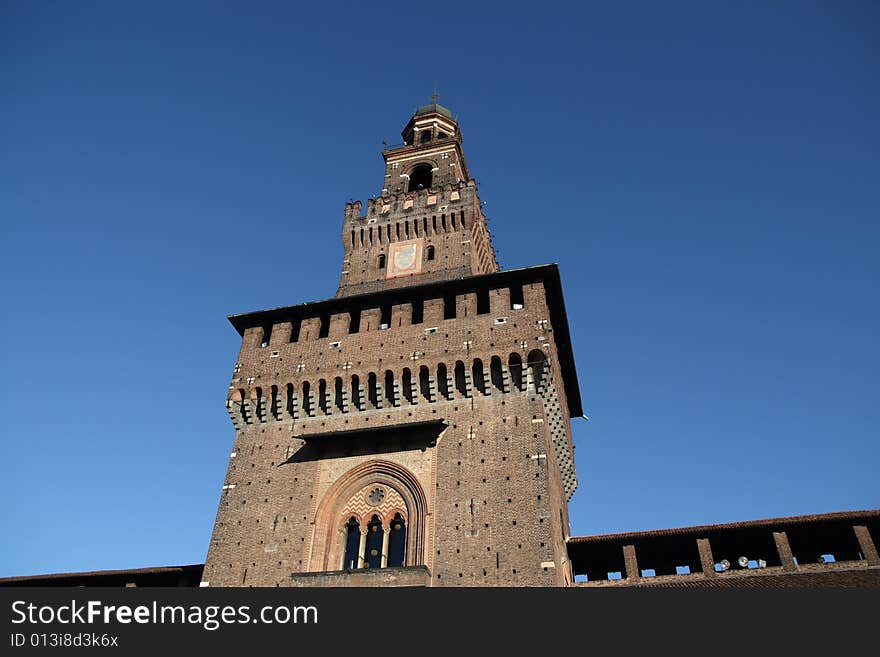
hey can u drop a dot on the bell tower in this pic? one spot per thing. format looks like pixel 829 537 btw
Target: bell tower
pixel 427 222
pixel 414 429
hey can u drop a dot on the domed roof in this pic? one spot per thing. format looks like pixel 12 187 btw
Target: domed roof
pixel 434 108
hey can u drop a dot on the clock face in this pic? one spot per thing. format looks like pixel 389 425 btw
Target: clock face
pixel 405 258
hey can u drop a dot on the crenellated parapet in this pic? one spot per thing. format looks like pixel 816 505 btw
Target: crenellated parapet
pixel 438 233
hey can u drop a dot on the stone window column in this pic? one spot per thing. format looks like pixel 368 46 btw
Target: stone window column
pixel 362 547
pixel 385 536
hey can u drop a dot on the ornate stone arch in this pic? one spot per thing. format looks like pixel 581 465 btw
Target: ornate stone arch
pixel 329 539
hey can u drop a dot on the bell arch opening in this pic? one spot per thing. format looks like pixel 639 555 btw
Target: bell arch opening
pixel 420 177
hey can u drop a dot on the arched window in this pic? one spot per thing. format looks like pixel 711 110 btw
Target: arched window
pixel 322 397
pixel 479 376
pixel 514 364
pixel 496 374
pixel 356 393
pixel 430 252
pixel 373 549
pixel 389 388
pixel 397 542
pixel 425 137
pixel 443 382
pixel 420 177
pixel 351 558
pixel 274 404
pixel 238 409
pixel 381 263
pixel 377 547
pixel 291 401
pixel 387 502
pixel 425 383
pixel 461 380
pixel 537 363
pixel 372 390
pixel 338 401
pixel 307 400
pixel 407 384
pixel 259 404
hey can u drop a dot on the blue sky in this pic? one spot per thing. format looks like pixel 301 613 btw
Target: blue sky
pixel 705 174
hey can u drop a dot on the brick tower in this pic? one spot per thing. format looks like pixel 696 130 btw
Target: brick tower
pixel 413 430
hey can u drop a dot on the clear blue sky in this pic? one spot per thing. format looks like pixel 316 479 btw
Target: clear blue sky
pixel 705 174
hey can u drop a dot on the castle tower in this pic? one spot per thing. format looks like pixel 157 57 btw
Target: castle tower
pixel 413 430
pixel 427 216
